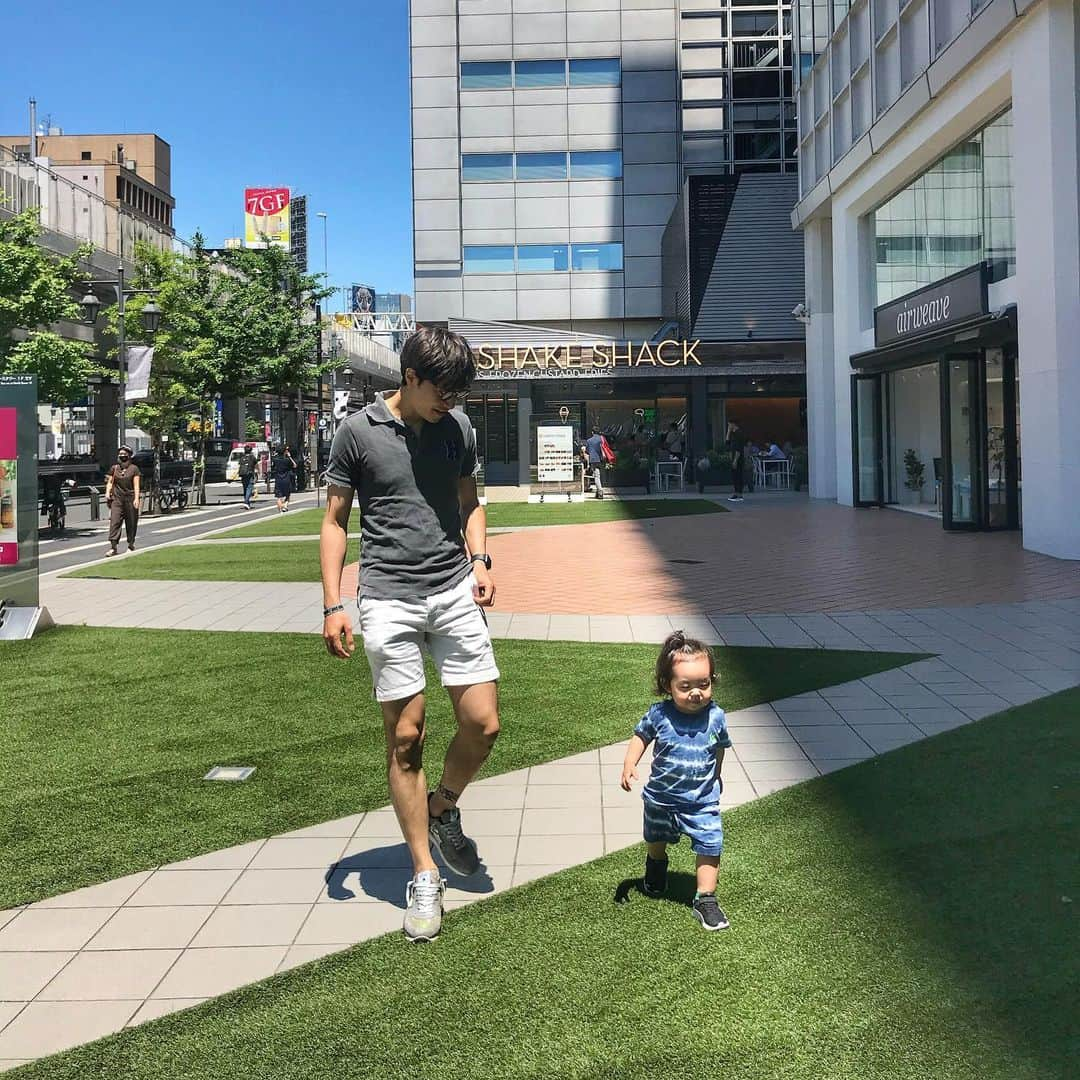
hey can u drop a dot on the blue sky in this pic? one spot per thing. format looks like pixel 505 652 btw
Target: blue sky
pixel 309 95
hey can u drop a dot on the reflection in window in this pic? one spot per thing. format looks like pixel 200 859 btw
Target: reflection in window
pixel 595 164
pixel 489 260
pixel 530 74
pixel 597 256
pixel 550 166
pixel 958 213
pixel 486 167
pixel 485 75
pixel 595 72
pixel 542 258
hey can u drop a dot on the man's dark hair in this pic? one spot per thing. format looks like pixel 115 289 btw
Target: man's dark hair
pixel 439 356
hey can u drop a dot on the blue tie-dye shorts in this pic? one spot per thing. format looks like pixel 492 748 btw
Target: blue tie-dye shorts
pixel 664 826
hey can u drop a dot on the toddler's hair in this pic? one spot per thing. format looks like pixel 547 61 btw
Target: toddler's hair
pixel 677 646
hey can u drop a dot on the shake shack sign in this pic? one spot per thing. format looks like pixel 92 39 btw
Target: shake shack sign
pixel 952 300
pixel 568 360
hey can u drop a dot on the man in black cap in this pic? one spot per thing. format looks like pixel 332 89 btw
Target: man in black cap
pixel 122 490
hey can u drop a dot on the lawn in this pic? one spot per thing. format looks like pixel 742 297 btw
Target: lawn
pixel 286 560
pixel 911 917
pixel 503 515
pixel 107 732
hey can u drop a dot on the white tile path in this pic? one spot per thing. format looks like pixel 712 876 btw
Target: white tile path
pixel 79 966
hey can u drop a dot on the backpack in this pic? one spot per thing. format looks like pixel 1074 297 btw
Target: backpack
pixel 606 452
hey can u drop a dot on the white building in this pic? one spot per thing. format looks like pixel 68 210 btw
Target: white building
pixel 938 145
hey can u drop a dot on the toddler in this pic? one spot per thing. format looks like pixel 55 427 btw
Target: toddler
pixel 682 795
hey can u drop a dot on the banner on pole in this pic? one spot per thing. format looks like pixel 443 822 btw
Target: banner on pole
pixel 139 360
pixel 341 404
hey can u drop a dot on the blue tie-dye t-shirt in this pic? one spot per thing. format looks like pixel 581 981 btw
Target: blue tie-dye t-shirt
pixel 684 755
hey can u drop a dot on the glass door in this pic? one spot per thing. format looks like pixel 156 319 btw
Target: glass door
pixel 962 495
pixel 867 441
pixel 1000 452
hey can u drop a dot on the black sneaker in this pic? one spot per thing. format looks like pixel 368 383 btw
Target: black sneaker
pixel 454 847
pixel 710 914
pixel 655 876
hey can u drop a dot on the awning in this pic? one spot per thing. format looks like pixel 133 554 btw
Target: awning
pixel 982 332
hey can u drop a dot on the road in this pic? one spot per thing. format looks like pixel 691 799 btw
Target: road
pixel 86 541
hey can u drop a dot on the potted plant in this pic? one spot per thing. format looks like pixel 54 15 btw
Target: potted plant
pixel 914 468
pixel 631 469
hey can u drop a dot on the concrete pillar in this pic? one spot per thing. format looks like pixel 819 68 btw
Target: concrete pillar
pixel 1047 228
pixel 820 360
pixel 233 415
pixel 524 416
pixel 699 423
pixel 849 294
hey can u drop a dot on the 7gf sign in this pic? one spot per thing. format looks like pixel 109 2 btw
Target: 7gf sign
pixel 265 202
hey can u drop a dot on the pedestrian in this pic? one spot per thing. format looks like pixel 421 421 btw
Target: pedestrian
pixel 736 442
pixel 673 442
pixel 246 471
pixel 594 447
pixel 702 468
pixel 425 575
pixel 689 735
pixel 123 489
pixel 284 470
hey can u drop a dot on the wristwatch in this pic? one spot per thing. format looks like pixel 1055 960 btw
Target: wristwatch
pixel 333 610
pixel 485 559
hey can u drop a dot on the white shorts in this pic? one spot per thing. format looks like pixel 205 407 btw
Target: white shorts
pixel 452 625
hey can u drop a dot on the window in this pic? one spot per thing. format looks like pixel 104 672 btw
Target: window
pixel 530 74
pixel 542 258
pixel 85 155
pixel 476 168
pixel 758 145
pixel 485 75
pixel 489 260
pixel 597 256
pixel 595 164
pixel 595 72
pixel 745 24
pixel 753 84
pixel 541 166
pixel 748 117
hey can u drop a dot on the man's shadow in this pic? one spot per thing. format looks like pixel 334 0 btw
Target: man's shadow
pixel 680 890
pixel 382 874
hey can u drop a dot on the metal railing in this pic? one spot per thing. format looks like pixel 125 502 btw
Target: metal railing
pixel 69 210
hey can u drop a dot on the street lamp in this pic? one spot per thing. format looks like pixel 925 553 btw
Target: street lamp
pixel 150 318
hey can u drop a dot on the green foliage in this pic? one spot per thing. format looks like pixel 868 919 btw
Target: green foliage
pixel 800 467
pixel 36 291
pixel 253 430
pixel 914 468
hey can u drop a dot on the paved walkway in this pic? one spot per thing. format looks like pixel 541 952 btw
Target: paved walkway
pixel 79 966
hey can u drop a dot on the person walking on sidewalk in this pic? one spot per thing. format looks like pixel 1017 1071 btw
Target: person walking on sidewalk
pixel 246 471
pixel 123 488
pixel 425 575
pixel 594 447
pixel 736 441
pixel 682 795
pixel 284 469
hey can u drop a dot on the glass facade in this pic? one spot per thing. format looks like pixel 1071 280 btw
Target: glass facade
pixel 597 256
pixel 489 259
pixel 584 165
pixel 477 75
pixel 484 168
pixel 595 164
pixel 606 72
pixel 541 166
pixel 530 74
pixel 542 258
pixel 959 212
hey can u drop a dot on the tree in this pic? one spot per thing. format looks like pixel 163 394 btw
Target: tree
pixel 35 293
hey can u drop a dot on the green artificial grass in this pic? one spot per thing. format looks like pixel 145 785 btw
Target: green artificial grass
pixel 107 732
pixel 287 560
pixel 504 515
pixel 909 918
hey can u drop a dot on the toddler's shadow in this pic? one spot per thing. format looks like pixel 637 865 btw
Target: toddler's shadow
pixel 384 872
pixel 680 889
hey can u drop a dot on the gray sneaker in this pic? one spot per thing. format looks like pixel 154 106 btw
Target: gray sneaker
pixel 453 846
pixel 424 910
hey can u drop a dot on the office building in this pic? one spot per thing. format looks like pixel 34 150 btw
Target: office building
pixel 938 150
pixel 602 194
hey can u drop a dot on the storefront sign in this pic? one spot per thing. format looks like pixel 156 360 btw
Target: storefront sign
pixel 952 300
pixel 18 490
pixel 563 361
pixel 555 454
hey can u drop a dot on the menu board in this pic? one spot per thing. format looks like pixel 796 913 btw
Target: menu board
pixel 9 489
pixel 555 454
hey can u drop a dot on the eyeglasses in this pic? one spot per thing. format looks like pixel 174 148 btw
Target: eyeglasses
pixel 451 397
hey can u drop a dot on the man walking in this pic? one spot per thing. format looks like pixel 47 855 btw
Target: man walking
pixel 594 447
pixel 737 446
pixel 246 472
pixel 412 462
pixel 122 492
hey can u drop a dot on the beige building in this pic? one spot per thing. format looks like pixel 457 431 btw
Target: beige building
pixel 132 172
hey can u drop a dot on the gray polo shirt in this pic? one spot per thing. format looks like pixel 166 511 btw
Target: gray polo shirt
pixel 407 488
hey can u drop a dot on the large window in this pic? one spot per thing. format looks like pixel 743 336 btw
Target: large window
pixel 489 260
pixel 595 72
pixel 487 167
pixel 550 166
pixel 595 164
pixel 542 258
pixel 959 212
pixel 530 74
pixel 597 256
pixel 485 75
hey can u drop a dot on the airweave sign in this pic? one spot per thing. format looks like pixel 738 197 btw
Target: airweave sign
pixel 947 302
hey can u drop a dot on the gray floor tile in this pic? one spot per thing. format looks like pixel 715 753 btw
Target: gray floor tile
pixel 276 887
pixel 151 928
pixel 568 628
pixel 530 627
pixel 252 924
pixel 788 750
pixel 109 894
pixel 24 974
pixel 547 850
pixel 167 888
pixel 230 858
pixel 810 717
pixel 342 827
pixel 564 774
pixel 48 929
pixel 620 841
pixel 761 733
pixel 212 972
pixel 838 743
pixel 830 765
pixel 110 976
pixel 47 1027
pixel 153 1010
pixel 297 853
pixel 885 737
pixel 485 796
pixel 561 822
pixel 347 924
pixel 560 796
pixel 623 819
pixel 861 716
pixel 305 954
pixel 524 874
pixel 768 771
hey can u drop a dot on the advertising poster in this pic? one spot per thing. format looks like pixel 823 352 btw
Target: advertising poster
pixel 18 491
pixel 555 454
pixel 362 298
pixel 9 489
pixel 266 217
